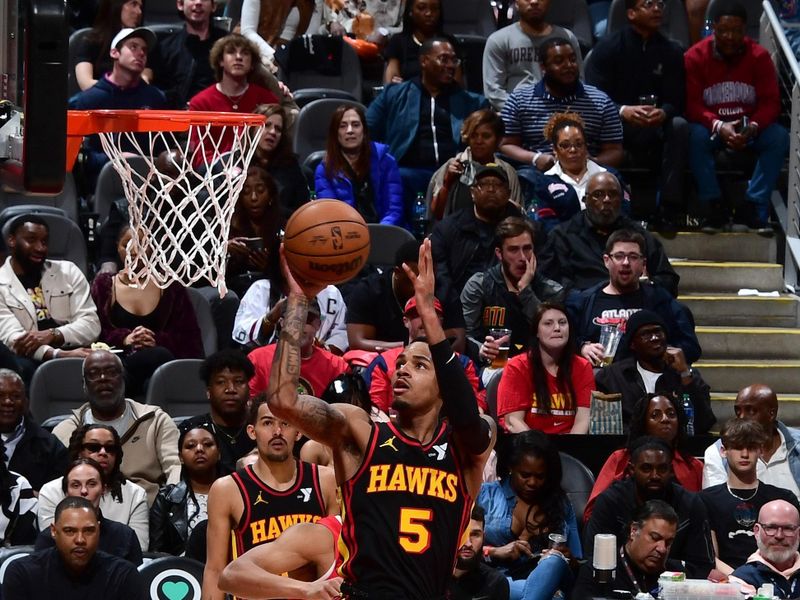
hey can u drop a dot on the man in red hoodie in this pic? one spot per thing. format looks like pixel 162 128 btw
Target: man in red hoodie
pixel 732 100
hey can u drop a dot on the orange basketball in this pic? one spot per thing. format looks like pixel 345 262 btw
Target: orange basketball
pixel 326 241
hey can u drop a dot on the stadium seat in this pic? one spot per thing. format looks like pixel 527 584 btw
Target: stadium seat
pixel 348 79
pixel 572 15
pixel 75 42
pixel 577 482
pixel 311 126
pixel 309 167
pixel 173 577
pixel 675 25
pixel 109 185
pixel 474 17
pixel 177 388
pixel 753 8
pixel 161 11
pixel 66 239
pixel 56 388
pixel 471 48
pixel 491 393
pixel 208 330
pixel 385 240
pixel 66 201
pixel 162 30
pixel 7 555
pixel 308 95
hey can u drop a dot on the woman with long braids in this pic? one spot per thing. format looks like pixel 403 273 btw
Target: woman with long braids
pixel 531 533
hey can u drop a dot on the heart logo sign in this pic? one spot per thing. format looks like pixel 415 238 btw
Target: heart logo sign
pixel 175 590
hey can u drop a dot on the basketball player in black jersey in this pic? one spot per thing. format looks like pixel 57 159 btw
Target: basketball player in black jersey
pixel 256 504
pixel 407 486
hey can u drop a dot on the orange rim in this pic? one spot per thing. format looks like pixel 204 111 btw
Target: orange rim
pixel 81 123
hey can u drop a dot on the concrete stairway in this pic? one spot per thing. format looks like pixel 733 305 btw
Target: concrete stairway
pixel 745 339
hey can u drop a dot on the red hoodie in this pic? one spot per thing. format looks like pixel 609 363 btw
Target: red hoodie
pixel 718 91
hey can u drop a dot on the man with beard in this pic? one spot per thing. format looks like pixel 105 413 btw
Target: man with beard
pixel 318 366
pixel 511 58
pixel 420 119
pixel 227 375
pixel 256 504
pixel 573 255
pixel 508 294
pixel 614 301
pixel 651 479
pixel 654 365
pixel 529 107
pixel 643 557
pixel 776 561
pixel 74 569
pixel 473 578
pixel 733 505
pixel 47 310
pixel 150 437
pixel 463 242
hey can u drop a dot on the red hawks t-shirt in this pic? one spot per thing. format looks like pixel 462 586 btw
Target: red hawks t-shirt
pixel 517 392
pixel 316 371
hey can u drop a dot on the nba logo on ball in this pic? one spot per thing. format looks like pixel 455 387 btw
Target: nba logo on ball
pixel 326 241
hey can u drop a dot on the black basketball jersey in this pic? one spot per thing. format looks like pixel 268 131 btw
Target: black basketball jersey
pixel 269 512
pixel 405 512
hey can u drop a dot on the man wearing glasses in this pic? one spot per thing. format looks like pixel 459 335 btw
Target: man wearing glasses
pixel 149 437
pixel 642 72
pixel 776 561
pixel 614 301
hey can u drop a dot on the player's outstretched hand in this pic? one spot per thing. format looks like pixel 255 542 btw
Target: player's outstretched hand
pixel 328 589
pixel 298 286
pixel 424 280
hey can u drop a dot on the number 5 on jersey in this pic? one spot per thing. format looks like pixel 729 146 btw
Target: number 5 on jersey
pixel 414 535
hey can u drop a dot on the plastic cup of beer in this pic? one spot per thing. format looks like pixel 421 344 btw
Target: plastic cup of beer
pixel 609 339
pixel 503 337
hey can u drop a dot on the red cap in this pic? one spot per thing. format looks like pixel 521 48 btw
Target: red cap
pixel 411 305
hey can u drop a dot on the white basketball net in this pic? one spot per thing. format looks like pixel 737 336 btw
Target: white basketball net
pixel 181 218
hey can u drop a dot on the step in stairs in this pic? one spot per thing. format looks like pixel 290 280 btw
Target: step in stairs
pixel 745 339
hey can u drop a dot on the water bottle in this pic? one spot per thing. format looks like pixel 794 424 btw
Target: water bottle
pixel 707 30
pixel 419 217
pixel 688 410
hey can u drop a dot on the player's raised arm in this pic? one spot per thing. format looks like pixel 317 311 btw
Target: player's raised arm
pixel 337 425
pixel 475 435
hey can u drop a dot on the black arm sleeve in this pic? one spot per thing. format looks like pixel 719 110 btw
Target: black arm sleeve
pixel 460 404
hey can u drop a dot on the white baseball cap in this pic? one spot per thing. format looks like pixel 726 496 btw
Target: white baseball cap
pixel 140 32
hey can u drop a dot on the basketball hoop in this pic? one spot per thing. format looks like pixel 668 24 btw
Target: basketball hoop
pixel 180 208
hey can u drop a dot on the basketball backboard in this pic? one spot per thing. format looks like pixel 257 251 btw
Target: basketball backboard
pixel 33 94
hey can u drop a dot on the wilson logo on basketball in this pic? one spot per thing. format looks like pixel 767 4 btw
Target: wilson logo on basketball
pixel 337 268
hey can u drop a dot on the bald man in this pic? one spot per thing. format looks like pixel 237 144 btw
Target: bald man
pixel 776 561
pixel 779 464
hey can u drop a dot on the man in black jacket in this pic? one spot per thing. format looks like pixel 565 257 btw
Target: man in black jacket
pixel 573 254
pixel 654 365
pixel 509 293
pixel 651 479
pixel 463 242
pixel 30 450
pixel 642 72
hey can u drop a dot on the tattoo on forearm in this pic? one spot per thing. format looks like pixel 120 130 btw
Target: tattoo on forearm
pixel 286 362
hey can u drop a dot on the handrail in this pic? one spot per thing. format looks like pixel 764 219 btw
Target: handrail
pixel 777 29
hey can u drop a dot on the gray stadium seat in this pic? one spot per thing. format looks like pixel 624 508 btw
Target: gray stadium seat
pixel 572 15
pixel 311 126
pixel 384 242
pixel 177 388
pixel 474 17
pixel 75 41
pixel 66 201
pixel 348 80
pixel 208 330
pixel 577 481
pixel 12 553
pixel 109 185
pixel 66 239
pixel 308 95
pixel 56 388
pixel 675 25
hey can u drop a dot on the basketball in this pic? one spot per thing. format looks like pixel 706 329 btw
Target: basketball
pixel 326 241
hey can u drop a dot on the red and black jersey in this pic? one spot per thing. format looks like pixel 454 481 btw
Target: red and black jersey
pixel 269 512
pixel 405 512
